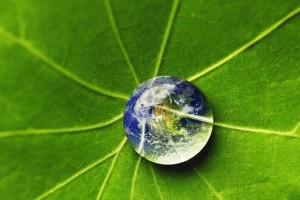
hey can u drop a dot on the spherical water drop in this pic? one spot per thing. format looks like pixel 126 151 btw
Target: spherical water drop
pixel 167 120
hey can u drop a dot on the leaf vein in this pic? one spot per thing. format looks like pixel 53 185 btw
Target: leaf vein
pixel 134 177
pixel 118 150
pixel 259 37
pixel 74 176
pixel 119 40
pixel 38 54
pixel 236 127
pixel 209 185
pixel 6 134
pixel 155 181
pixel 166 36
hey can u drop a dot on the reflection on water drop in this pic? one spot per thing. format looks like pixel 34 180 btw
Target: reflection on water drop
pixel 167 120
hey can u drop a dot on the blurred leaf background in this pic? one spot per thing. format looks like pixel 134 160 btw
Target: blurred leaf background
pixel 67 68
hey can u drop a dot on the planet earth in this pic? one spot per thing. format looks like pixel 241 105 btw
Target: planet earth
pixel 167 120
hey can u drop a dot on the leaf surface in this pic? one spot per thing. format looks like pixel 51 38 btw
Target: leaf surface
pixel 67 68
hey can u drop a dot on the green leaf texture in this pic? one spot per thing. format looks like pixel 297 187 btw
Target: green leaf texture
pixel 67 68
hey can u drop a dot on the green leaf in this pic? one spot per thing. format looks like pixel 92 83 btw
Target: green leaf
pixel 67 68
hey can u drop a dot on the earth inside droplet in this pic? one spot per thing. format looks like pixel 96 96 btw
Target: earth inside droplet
pixel 167 120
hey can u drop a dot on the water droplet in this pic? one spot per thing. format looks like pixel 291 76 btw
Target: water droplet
pixel 167 120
